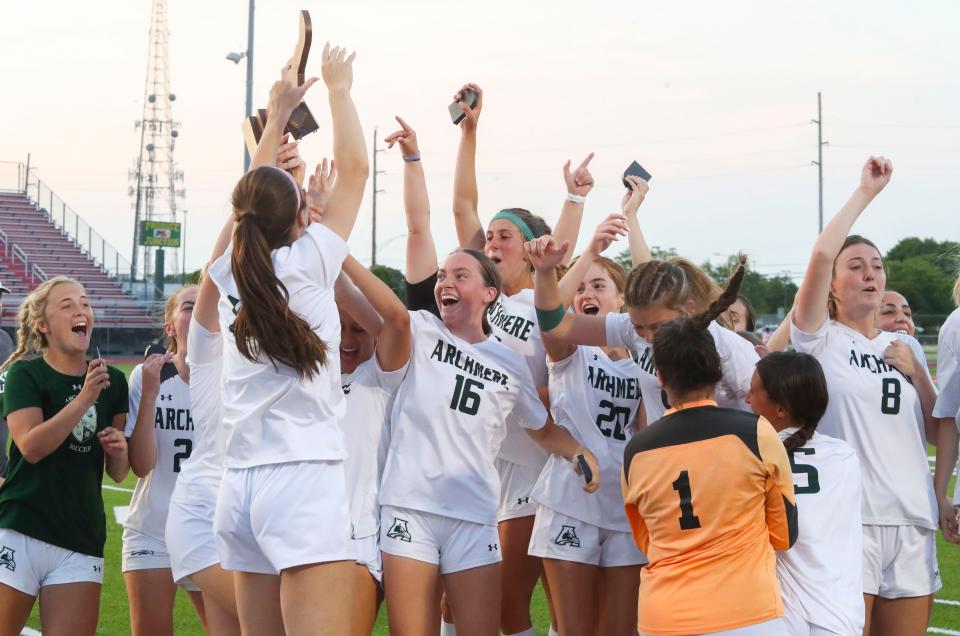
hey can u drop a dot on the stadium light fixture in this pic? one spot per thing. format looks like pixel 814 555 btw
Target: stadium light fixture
pixel 235 57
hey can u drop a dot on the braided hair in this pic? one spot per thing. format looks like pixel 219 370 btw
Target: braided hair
pixel 795 382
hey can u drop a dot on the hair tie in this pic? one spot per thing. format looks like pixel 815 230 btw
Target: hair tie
pixel 516 220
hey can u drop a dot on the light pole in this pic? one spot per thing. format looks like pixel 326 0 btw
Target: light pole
pixel 235 57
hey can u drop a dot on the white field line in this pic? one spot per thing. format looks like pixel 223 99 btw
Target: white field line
pixel 29 631
pixel 945 601
pixel 938 630
pixel 116 488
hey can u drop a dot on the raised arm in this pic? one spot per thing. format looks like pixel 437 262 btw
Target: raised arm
pixel 609 230
pixel 421 259
pixel 810 310
pixel 142 443
pixel 465 198
pixel 579 184
pixel 285 95
pixel 555 323
pixel 393 343
pixel 351 300
pixel 349 151
pixel 632 198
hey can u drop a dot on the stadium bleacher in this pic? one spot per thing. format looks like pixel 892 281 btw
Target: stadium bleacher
pixel 33 248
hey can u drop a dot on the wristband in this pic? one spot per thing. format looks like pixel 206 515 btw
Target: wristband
pixel 550 318
pixel 412 158
pixel 576 198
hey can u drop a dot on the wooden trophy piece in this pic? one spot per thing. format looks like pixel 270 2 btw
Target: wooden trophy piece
pixel 301 121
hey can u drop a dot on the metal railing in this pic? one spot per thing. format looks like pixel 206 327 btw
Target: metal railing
pixel 14 178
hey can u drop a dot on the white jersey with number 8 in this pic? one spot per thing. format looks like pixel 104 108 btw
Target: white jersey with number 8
pixel 876 410
pixel 448 422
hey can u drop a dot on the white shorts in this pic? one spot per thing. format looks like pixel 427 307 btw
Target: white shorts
pixel 278 516
pixel 557 536
pixel 799 626
pixel 190 540
pixel 452 544
pixel 368 554
pixel 143 552
pixel 28 564
pixel 900 561
pixel 516 487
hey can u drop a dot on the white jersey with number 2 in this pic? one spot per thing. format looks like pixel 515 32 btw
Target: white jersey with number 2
pixel 820 576
pixel 448 422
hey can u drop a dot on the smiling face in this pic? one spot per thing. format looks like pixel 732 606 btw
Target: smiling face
pixel 646 320
pixel 461 292
pixel 179 312
pixel 67 322
pixel 356 343
pixel 598 294
pixel 858 281
pixel 895 314
pixel 504 247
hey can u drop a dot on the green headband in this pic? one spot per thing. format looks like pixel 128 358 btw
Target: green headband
pixel 516 220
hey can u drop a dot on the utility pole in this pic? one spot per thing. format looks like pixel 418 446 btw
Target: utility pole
pixel 373 238
pixel 249 104
pixel 819 162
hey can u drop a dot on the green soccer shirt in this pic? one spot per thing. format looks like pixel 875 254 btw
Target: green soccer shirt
pixel 58 500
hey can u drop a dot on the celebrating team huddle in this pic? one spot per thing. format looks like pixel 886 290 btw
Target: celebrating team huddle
pixel 310 446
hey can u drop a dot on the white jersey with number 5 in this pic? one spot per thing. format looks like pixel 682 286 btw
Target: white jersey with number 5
pixel 876 410
pixel 173 426
pixel 448 422
pixel 738 359
pixel 596 399
pixel 820 576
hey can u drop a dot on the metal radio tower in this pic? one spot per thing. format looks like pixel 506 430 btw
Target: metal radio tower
pixel 154 178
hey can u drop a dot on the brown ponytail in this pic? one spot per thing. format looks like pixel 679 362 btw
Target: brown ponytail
pixel 265 205
pixel 795 382
pixel 685 353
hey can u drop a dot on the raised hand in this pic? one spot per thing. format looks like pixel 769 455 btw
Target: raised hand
pixel 98 378
pixel 875 175
pixel 320 188
pixel 337 68
pixel 472 115
pixel 580 181
pixel 406 137
pixel 289 159
pixel 285 95
pixel 113 442
pixel 633 197
pixel 150 371
pixel 900 355
pixel 545 253
pixel 609 230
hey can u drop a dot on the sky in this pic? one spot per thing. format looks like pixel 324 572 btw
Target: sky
pixel 714 99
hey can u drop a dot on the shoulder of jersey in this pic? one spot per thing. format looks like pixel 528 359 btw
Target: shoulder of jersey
pixel 697 425
pixel 834 444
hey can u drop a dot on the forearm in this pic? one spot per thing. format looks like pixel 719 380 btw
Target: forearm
pixel 351 300
pixel 781 337
pixel 266 154
pixel 421 259
pixel 567 227
pixel 142 444
pixel 118 467
pixel 36 442
pixel 811 304
pixel 350 154
pixel 947 450
pixel 555 440
pixel 465 194
pixel 928 398
pixel 380 297
pixel 571 280
pixel 639 250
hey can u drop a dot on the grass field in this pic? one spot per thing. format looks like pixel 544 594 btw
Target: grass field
pixel 115 620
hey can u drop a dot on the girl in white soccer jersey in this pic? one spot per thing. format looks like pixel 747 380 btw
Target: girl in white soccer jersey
pixel 374 351
pixel 880 402
pixel 514 323
pixel 440 489
pixel 160 436
pixel 947 409
pixel 820 576
pixel 66 416
pixel 590 558
pixel 282 507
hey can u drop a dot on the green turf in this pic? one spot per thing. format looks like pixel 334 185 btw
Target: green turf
pixel 115 618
